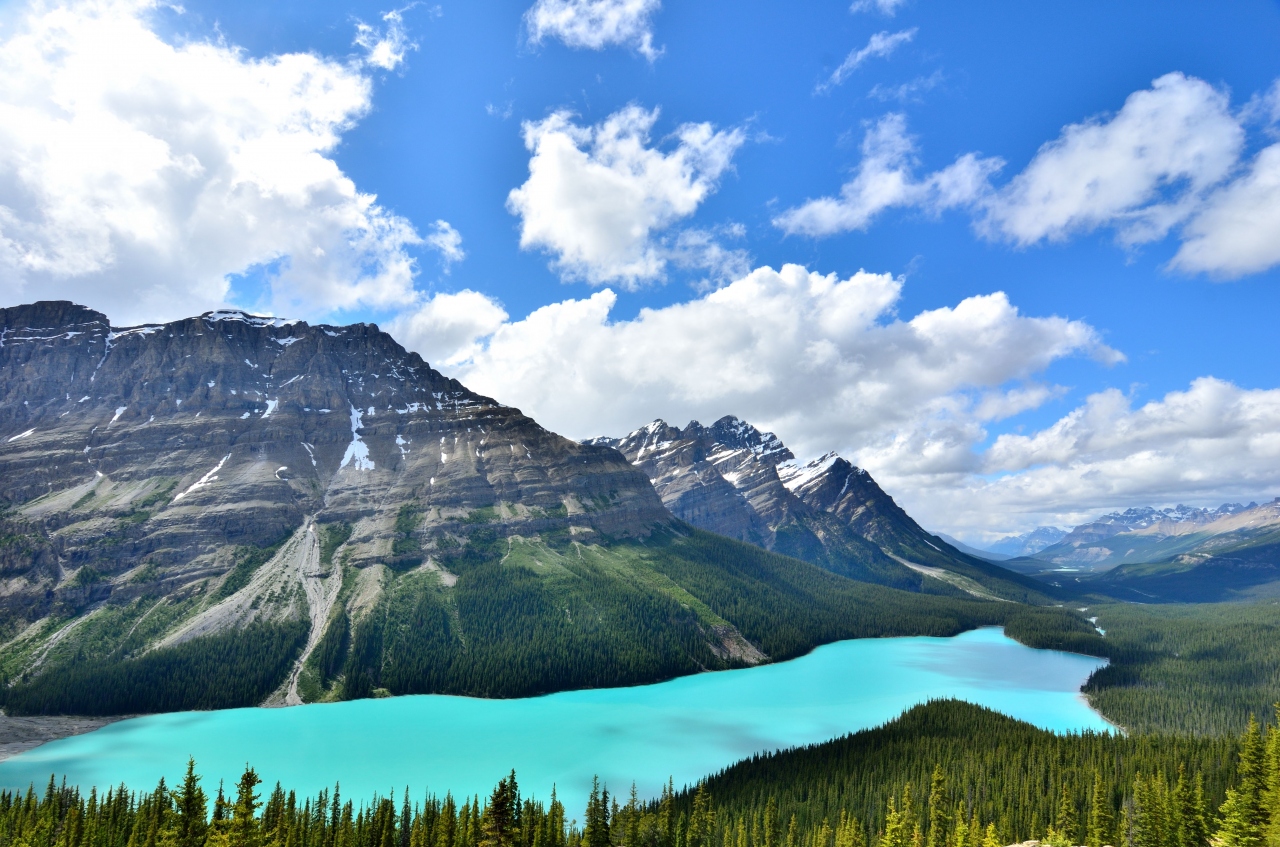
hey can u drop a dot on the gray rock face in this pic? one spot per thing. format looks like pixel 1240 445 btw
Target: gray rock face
pixel 131 458
pixel 732 479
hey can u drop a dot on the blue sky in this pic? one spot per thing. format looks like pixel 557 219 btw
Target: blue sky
pixel 1129 361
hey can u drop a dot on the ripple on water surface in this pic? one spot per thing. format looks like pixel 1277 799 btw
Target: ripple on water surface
pixel 685 728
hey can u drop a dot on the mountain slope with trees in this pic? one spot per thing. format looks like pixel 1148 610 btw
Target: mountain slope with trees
pixel 231 509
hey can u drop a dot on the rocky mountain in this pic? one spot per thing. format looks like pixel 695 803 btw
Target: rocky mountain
pixel 1236 555
pixel 232 508
pixel 732 479
pixel 1133 535
pixel 1182 553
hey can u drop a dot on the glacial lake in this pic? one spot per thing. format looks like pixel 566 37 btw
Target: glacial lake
pixel 685 728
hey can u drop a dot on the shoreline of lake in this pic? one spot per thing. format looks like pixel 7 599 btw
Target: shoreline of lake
pixel 686 728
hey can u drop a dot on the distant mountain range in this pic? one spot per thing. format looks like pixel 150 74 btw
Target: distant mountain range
pixel 1178 553
pixel 734 480
pixel 1028 543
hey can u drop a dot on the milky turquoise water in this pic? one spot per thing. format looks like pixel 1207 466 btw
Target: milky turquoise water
pixel 685 728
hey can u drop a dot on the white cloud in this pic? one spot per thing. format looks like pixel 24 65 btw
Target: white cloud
pixel 826 364
pixel 136 175
pixel 1168 162
pixel 1212 443
pixel 884 7
pixel 1143 171
pixel 447 241
pixel 595 24
pixel 600 197
pixel 1237 231
pixel 447 329
pixel 885 179
pixel 880 45
pixel 818 359
pixel 385 48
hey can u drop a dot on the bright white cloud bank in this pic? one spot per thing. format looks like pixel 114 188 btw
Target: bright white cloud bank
pixel 825 363
pixel 1210 444
pixel 136 175
pixel 601 198
pixel 595 24
pixel 1171 160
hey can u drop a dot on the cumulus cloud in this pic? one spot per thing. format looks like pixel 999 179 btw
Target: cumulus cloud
pixel 601 198
pixel 1170 162
pixel 826 363
pixel 1143 171
pixel 447 329
pixel 1237 231
pixel 880 45
pixel 446 241
pixel 385 47
pixel 820 359
pixel 136 175
pixel 1212 443
pixel 595 24
pixel 885 179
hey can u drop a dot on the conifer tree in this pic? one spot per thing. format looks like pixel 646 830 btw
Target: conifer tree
pixel 772 829
pixel 937 834
pixel 1100 818
pixel 1244 816
pixel 701 820
pixel 1271 799
pixel 959 832
pixel 1065 826
pixel 1236 829
pixel 190 827
pixel 244 830
pixel 595 831
pixel 499 822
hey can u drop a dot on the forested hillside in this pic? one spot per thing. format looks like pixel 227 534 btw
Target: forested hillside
pixel 231 510
pixel 524 617
pixel 1190 669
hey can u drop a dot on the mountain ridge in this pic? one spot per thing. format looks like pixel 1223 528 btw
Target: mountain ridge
pixel 732 479
pixel 232 509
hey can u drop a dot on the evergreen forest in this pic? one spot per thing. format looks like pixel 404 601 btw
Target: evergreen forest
pixel 945 774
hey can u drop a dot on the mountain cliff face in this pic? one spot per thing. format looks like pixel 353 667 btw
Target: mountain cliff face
pixel 160 445
pixel 232 509
pixel 220 462
pixel 734 480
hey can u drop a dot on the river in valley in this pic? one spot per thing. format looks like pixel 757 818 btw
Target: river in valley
pixel 685 728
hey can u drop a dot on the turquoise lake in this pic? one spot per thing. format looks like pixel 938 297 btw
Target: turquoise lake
pixel 684 728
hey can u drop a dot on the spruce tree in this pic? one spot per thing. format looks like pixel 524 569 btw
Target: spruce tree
pixel 937 834
pixel 1100 818
pixel 190 827
pixel 1065 826
pixel 1237 828
pixel 244 830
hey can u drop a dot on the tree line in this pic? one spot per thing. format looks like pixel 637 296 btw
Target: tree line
pixel 1092 789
